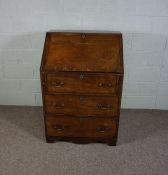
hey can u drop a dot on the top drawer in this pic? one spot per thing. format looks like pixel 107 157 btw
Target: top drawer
pixel 82 82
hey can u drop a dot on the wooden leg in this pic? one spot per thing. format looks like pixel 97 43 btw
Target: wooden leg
pixel 49 140
pixel 112 143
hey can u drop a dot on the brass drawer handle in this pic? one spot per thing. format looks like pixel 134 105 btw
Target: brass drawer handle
pixel 58 106
pixel 57 83
pixel 102 129
pixel 105 85
pixel 104 106
pixel 59 127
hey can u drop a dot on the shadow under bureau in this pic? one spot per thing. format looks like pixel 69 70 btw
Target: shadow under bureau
pixel 81 80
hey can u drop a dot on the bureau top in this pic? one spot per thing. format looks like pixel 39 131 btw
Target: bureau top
pixel 94 52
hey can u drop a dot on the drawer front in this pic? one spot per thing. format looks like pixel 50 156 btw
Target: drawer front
pixel 82 83
pixel 81 127
pixel 62 126
pixel 82 105
pixel 98 127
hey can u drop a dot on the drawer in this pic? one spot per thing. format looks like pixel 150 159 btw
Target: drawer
pixel 79 82
pixel 81 127
pixel 83 105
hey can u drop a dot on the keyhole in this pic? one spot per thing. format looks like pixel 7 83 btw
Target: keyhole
pixel 81 76
pixel 83 35
pixel 81 98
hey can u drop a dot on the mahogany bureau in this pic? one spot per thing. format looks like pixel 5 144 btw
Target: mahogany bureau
pixel 81 80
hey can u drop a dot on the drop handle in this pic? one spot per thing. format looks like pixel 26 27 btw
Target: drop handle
pixel 59 127
pixel 57 83
pixel 58 106
pixel 102 129
pixel 104 106
pixel 105 85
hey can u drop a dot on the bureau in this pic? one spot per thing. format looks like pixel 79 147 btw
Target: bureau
pixel 81 80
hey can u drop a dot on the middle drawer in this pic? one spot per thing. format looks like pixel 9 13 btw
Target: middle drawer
pixel 85 105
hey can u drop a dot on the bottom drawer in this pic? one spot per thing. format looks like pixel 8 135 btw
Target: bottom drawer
pixel 81 127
